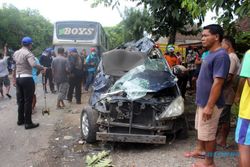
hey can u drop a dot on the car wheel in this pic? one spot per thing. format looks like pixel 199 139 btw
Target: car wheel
pixel 183 132
pixel 88 124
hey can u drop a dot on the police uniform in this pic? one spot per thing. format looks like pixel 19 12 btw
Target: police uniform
pixel 25 87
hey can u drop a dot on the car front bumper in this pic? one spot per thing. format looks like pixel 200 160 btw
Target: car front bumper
pixel 131 138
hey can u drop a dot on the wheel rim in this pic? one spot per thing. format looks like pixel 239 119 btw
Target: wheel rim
pixel 85 124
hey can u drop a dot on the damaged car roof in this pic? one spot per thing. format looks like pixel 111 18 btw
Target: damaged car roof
pixel 119 61
pixel 139 68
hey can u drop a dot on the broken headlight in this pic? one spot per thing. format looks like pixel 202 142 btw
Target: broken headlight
pixel 176 108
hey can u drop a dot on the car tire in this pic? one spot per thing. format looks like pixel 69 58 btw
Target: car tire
pixel 183 132
pixel 88 124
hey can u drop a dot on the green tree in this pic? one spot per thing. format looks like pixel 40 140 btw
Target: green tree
pixel 169 18
pixel 40 29
pixel 228 12
pixel 135 23
pixel 242 40
pixel 230 8
pixel 115 35
pixel 10 26
pixel 16 24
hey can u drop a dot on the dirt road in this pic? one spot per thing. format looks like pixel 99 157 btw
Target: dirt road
pixel 55 142
pixel 20 147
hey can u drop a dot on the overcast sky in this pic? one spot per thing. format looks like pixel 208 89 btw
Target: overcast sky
pixel 58 10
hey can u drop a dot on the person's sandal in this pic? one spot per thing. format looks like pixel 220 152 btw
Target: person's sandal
pixel 192 154
pixel 227 146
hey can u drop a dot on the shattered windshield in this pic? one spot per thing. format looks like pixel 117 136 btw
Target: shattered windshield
pixel 152 76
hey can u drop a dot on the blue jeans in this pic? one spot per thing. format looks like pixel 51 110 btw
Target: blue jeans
pixel 90 79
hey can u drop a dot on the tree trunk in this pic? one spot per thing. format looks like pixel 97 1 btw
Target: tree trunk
pixel 172 36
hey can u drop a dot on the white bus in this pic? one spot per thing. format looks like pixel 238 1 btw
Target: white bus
pixel 81 35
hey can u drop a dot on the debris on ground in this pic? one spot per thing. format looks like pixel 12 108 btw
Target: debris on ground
pixel 68 137
pixel 81 142
pixel 99 160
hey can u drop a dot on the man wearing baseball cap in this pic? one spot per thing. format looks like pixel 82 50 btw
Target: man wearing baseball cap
pixel 46 60
pixel 22 79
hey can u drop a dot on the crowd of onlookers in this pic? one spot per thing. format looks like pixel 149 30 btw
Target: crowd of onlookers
pixel 66 72
pixel 79 72
pixel 187 67
pixel 213 73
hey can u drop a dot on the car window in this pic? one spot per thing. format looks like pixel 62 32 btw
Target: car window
pixel 152 76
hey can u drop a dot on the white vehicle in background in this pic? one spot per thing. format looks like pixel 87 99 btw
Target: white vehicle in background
pixel 81 35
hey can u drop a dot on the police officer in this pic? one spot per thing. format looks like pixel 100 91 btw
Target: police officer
pixel 22 79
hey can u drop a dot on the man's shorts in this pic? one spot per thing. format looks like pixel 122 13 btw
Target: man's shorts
pixel 62 90
pixel 207 129
pixel 242 132
pixel 4 81
pixel 225 115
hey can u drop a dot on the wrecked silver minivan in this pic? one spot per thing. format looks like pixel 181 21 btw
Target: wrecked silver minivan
pixel 135 98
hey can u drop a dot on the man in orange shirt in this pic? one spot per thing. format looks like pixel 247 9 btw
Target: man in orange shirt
pixel 170 57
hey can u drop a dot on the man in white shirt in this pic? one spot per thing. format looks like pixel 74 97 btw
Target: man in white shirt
pixel 228 43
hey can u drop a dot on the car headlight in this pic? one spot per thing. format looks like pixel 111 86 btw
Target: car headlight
pixel 176 108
